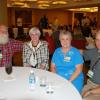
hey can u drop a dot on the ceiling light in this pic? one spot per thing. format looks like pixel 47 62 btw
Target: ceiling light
pixel 42 1
pixel 44 5
pixel 91 9
pixel 18 0
pixel 59 2
pixel 31 0
pixel 26 5
pixel 18 3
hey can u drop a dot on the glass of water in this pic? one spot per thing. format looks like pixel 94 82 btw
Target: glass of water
pixel 50 88
pixel 43 81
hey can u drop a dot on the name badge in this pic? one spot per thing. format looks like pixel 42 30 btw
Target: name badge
pixel 90 73
pixel 0 55
pixel 67 59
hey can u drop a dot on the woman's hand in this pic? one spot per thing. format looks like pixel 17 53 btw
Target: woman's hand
pixel 27 65
pixel 42 66
pixel 52 68
pixel 77 72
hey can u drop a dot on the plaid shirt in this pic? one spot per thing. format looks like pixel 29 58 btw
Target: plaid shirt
pixel 8 50
pixel 41 54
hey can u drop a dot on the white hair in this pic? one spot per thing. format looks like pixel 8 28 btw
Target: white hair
pixel 34 30
pixel 63 32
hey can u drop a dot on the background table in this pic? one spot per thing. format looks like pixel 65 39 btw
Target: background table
pixel 18 89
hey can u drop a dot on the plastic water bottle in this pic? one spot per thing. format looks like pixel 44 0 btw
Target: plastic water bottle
pixel 32 80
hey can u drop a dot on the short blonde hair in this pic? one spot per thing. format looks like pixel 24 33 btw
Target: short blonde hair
pixel 64 32
pixel 34 30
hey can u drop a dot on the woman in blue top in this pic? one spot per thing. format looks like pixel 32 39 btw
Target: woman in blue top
pixel 68 62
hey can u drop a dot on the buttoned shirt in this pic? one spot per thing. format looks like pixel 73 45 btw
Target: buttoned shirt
pixel 66 64
pixel 8 50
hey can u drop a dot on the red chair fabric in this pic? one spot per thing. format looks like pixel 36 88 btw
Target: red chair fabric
pixel 51 44
pixel 79 44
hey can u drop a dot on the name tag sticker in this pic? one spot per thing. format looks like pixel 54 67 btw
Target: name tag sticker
pixel 90 73
pixel 0 55
pixel 67 59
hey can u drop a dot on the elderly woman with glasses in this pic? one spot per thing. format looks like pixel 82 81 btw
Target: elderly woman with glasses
pixel 35 52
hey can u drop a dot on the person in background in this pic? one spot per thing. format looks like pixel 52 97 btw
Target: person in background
pixel 67 61
pixel 43 23
pixel 35 52
pixel 93 55
pixel 51 43
pixel 7 46
pixel 77 34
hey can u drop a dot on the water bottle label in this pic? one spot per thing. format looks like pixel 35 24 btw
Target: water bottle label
pixel 31 84
pixel 32 81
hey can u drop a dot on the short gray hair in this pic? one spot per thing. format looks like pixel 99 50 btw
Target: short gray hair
pixel 34 30
pixel 64 32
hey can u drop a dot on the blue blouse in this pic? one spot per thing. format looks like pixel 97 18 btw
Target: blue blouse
pixel 66 65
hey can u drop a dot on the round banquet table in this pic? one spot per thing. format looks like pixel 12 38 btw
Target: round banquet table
pixel 18 87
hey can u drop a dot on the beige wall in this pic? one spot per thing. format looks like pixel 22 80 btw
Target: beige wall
pixel 3 12
pixel 11 17
pixel 64 17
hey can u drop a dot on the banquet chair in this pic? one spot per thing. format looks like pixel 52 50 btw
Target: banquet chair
pixel 17 59
pixel 79 44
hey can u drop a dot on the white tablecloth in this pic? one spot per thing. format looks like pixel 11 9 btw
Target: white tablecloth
pixel 18 88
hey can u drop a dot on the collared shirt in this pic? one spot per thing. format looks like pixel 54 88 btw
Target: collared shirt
pixel 39 53
pixel 8 50
pixel 93 55
pixel 66 65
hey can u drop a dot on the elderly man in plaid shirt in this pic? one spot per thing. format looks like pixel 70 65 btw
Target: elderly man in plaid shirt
pixel 35 52
pixel 7 46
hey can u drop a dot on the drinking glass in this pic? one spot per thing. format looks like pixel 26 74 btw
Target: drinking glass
pixel 43 81
pixel 8 66
pixel 50 88
pixel 8 70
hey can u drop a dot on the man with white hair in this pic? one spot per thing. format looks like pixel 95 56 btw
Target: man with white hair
pixel 7 46
pixel 91 90
pixel 35 52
